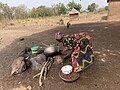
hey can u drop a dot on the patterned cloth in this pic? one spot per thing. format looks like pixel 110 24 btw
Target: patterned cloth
pixel 82 55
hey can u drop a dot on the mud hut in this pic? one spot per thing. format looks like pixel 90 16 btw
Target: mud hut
pixel 73 15
pixel 114 10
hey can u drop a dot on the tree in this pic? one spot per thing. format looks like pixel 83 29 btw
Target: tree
pixel 41 11
pixel 92 7
pixel 33 13
pixel 1 16
pixel 11 13
pixel 72 5
pixel 101 10
pixel 5 11
pixel 59 9
pixel 106 7
pixel 20 12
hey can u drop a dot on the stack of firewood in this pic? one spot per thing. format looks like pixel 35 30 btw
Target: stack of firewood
pixel 44 71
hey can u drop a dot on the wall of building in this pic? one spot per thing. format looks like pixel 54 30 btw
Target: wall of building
pixel 74 17
pixel 114 10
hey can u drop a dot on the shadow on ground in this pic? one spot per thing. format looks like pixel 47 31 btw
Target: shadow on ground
pixel 104 74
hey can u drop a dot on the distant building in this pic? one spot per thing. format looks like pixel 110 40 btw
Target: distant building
pixel 73 15
pixel 114 10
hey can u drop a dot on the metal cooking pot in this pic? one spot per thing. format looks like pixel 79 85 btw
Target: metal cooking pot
pixel 51 50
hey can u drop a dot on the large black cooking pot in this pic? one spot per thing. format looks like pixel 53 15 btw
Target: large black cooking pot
pixel 51 50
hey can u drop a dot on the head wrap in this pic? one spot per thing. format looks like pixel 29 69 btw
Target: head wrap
pixel 58 35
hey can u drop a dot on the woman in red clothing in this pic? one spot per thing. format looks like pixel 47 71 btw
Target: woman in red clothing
pixel 80 47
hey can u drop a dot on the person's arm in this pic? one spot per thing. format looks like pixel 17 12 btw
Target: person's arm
pixel 65 49
pixel 68 54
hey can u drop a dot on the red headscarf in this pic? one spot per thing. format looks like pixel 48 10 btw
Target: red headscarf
pixel 58 35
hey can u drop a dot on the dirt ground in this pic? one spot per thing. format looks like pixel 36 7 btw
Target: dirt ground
pixel 9 33
pixel 104 74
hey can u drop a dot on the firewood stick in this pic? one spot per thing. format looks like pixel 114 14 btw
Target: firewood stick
pixel 45 73
pixel 46 68
pixel 41 74
pixel 38 73
pixel 49 62
pixel 49 66
pixel 40 80
pixel 45 44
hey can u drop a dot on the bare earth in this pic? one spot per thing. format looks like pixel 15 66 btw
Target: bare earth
pixel 9 33
pixel 104 74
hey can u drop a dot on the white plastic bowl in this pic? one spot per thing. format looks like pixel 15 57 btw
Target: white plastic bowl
pixel 67 69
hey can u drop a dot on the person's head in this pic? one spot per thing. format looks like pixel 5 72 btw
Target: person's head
pixel 59 36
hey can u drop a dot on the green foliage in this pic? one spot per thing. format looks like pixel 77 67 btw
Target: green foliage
pixel 72 5
pixel 59 9
pixel 106 7
pixel 101 10
pixel 1 16
pixel 33 13
pixel 10 13
pixel 5 11
pixel 92 7
pixel 41 11
pixel 20 12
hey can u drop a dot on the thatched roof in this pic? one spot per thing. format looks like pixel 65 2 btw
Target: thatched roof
pixel 112 0
pixel 74 11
